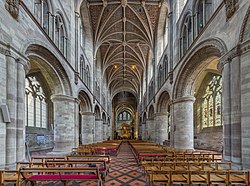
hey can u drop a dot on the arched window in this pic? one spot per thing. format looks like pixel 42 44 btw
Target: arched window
pixel 186 35
pixel 81 36
pixel 36 107
pixel 165 67
pixel 87 76
pixel 41 13
pixel 82 66
pixel 211 103
pixel 60 35
pixel 204 12
pixel 160 76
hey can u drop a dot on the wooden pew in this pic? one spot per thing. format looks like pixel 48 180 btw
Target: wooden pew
pixel 44 158
pixel 91 157
pixel 225 177
pixel 8 176
pixel 101 164
pixel 63 175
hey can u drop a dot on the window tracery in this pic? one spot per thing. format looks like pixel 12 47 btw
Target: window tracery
pixel 36 107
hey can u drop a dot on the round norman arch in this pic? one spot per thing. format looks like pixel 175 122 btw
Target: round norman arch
pixel 245 28
pixel 144 117
pixel 85 103
pixel 197 61
pixel 104 117
pixel 163 102
pixel 97 112
pixel 41 59
pixel 151 112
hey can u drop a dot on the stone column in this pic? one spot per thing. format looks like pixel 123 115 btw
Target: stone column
pixel 87 127
pixel 143 130
pixel 226 112
pixel 22 68
pixel 231 104
pixel 77 132
pixel 183 132
pixel 64 123
pixel 98 130
pixel 236 110
pixel 105 134
pixel 245 106
pixel 161 120
pixel 150 131
pixel 3 101
pixel 11 132
pixel 109 131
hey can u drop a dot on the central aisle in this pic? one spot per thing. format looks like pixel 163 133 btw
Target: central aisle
pixel 124 170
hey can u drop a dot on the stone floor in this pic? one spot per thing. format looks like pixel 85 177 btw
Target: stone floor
pixel 124 171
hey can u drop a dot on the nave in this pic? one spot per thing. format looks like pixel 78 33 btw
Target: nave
pixel 126 163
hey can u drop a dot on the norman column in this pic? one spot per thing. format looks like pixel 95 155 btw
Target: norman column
pixel 183 124
pixel 64 123
pixel 88 119
pixel 22 68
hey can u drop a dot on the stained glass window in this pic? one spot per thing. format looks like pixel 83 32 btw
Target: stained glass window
pixel 211 103
pixel 36 106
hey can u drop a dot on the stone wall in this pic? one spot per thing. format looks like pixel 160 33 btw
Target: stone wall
pixel 210 138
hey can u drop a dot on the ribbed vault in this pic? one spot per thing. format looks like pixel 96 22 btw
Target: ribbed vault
pixel 124 35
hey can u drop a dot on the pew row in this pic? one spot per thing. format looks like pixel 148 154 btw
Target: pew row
pixel 60 174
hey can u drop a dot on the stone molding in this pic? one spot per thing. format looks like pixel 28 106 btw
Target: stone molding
pixel 60 97
pixel 5 51
pixel 234 52
pixel 212 46
pixel 12 6
pixel 184 99
pixel 26 64
pixel 243 27
pixel 231 7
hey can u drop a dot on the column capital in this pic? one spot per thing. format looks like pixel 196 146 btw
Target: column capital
pixel 25 63
pixel 4 50
pixel 61 97
pixel 189 98
pixel 227 58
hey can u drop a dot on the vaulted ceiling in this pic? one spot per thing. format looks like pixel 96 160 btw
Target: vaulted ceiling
pixel 124 35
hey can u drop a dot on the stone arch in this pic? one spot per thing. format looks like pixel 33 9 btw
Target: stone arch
pixel 151 112
pixel 161 31
pixel 104 118
pixel 144 117
pixel 41 59
pixel 195 63
pixel 97 112
pixel 245 28
pixel 85 103
pixel 162 104
pixel 83 9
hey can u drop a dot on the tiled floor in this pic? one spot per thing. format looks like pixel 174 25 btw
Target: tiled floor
pixel 124 171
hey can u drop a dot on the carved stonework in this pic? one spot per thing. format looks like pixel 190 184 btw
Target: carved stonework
pixel 13 7
pixel 231 7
